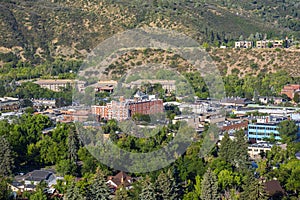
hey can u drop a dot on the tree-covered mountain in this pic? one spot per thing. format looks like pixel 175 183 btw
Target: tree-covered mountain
pixel 39 30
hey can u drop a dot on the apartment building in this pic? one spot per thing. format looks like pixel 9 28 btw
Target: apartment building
pixel 265 127
pixel 125 108
pixel 265 43
pixel 57 84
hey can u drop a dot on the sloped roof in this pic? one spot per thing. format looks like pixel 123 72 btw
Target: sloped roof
pixel 273 188
pixel 121 178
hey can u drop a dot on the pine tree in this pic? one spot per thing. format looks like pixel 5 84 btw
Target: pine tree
pixel 122 194
pixel 73 145
pixel 209 186
pixel 166 186
pixel 240 150
pixel 226 151
pixel 254 190
pixel 6 160
pixel 148 190
pixel 98 189
pixel 73 193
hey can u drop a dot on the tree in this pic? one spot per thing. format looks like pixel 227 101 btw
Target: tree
pixel 73 145
pixel 209 186
pixel 6 160
pixel 297 97
pixel 73 192
pixel 148 190
pixel 122 194
pixel 4 191
pixel 240 150
pixel 38 195
pixel 287 130
pixel 226 151
pixel 98 189
pixel 253 190
pixel 166 187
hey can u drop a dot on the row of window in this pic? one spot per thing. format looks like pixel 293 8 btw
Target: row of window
pixel 265 134
pixel 263 128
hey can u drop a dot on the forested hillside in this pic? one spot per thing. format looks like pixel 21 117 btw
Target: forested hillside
pixel 39 30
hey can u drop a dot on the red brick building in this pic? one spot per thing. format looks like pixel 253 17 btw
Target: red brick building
pixel 290 90
pixel 146 107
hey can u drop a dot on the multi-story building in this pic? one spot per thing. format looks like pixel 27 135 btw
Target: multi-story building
pixel 265 43
pixel 243 44
pixel 168 85
pixel 57 84
pixel 290 90
pixel 125 108
pixel 265 127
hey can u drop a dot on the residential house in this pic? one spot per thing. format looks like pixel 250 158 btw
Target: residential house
pixel 273 100
pixel 121 179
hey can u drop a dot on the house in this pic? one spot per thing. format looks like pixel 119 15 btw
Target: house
pixel 290 90
pixel 274 100
pixel 243 44
pixel 37 176
pixel 121 179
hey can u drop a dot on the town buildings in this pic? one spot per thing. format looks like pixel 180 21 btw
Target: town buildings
pixel 243 44
pixel 57 84
pixel 269 43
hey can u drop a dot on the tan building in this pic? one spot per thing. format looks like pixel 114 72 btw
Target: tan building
pixel 254 150
pixel 265 43
pixel 243 44
pixel 169 85
pixel 57 84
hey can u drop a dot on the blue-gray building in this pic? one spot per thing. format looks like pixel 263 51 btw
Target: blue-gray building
pixel 265 127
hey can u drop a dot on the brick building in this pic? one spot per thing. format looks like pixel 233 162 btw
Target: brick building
pixel 124 109
pixel 290 90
